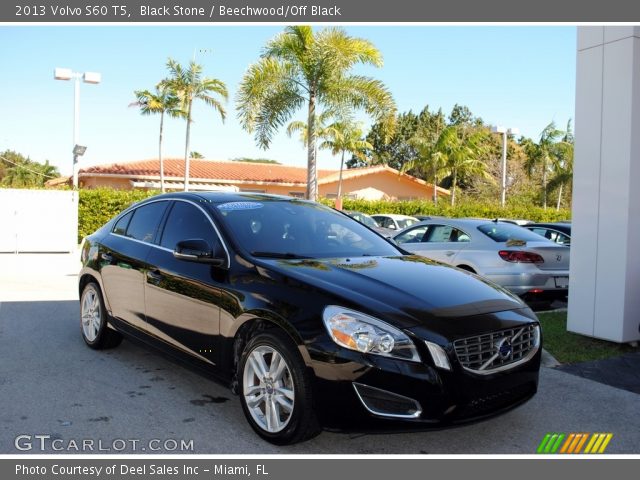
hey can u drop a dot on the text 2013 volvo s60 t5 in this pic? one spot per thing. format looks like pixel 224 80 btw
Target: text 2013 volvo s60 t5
pixel 313 319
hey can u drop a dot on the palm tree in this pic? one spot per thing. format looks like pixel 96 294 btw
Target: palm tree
pixel 299 67
pixel 163 101
pixel 189 85
pixel 563 164
pixel 543 155
pixel 425 142
pixel 195 154
pixel 345 137
pixel 460 152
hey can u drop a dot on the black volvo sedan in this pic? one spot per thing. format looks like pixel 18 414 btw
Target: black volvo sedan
pixel 311 318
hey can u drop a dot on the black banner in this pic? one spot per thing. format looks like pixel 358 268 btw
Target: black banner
pixel 320 11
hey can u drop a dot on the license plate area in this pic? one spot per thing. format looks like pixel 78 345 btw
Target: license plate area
pixel 561 282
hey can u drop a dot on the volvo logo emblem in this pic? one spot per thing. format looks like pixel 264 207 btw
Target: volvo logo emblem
pixel 504 348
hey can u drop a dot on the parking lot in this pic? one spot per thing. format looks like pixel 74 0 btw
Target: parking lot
pixel 52 384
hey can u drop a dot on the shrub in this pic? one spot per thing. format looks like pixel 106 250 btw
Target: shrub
pixel 96 207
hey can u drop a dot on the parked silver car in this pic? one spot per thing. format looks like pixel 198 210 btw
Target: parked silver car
pixel 511 256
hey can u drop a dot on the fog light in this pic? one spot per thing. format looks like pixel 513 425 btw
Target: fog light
pixel 439 356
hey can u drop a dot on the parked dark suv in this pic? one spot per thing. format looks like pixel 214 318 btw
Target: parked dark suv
pixel 313 319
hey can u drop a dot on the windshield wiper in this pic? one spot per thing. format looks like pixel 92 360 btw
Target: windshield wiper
pixel 278 255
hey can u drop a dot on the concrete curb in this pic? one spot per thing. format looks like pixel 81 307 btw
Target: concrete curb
pixel 548 360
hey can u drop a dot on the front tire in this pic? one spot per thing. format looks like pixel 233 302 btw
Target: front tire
pixel 275 390
pixel 93 320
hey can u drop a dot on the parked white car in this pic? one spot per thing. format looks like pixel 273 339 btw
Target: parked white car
pixel 394 221
pixel 511 256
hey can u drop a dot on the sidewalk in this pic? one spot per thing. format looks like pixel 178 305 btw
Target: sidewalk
pixel 39 276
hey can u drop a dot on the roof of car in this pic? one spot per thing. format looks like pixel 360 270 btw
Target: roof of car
pixel 223 197
pixel 395 216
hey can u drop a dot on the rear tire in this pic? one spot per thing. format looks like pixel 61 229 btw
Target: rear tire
pixel 276 390
pixel 93 320
pixel 466 268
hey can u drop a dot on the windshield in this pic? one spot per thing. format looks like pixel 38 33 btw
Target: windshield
pixel 503 232
pixel 299 229
pixel 406 222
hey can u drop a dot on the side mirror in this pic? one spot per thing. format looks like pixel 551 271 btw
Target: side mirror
pixel 198 250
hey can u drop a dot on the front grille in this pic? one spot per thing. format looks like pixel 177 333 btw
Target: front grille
pixel 499 350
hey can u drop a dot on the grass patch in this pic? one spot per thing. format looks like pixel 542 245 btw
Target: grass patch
pixel 569 347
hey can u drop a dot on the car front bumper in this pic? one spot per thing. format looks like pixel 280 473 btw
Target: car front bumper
pixel 368 392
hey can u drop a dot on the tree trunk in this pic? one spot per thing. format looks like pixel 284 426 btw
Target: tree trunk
pixel 160 152
pixel 435 185
pixel 454 182
pixel 559 197
pixel 340 176
pixel 186 149
pixel 312 177
pixel 544 183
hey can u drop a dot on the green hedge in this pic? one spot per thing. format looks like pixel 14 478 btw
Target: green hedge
pixel 466 209
pixel 98 206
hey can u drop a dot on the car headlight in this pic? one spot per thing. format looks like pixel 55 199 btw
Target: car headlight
pixel 362 333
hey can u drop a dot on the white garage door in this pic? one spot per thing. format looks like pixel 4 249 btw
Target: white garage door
pixel 38 221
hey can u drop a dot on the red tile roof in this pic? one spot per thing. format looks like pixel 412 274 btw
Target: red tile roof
pixel 207 169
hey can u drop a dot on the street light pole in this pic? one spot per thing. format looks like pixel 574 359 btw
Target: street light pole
pixel 504 131
pixel 87 77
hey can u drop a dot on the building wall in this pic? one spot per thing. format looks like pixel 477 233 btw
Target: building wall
pixel 395 186
pixel 105 182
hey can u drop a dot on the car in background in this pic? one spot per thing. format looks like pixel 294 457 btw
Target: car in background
pixel 370 222
pixel 558 232
pixel 310 317
pixel 394 221
pixel 513 257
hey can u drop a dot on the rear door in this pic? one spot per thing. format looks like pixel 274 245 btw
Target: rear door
pixel 123 254
pixel 443 243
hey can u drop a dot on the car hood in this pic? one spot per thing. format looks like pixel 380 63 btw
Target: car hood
pixel 406 289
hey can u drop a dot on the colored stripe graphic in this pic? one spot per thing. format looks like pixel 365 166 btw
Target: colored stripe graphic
pixel 573 443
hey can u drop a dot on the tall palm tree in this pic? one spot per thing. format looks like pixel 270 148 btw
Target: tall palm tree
pixel 461 151
pixel 425 143
pixel 189 85
pixel 345 137
pixel 543 155
pixel 162 101
pixel 302 68
pixel 563 164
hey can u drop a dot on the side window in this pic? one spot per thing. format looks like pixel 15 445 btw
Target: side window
pixel 186 222
pixel 440 233
pixel 388 223
pixel 145 222
pixel 415 235
pixel 121 225
pixel 539 231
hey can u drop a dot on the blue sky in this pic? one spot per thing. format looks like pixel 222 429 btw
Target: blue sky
pixel 515 76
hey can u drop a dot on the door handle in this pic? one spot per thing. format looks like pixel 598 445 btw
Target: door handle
pixel 449 253
pixel 154 277
pixel 106 257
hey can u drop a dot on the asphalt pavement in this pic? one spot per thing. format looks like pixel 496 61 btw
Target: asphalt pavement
pixel 52 387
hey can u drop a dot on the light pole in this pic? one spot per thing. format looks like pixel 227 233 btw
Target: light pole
pixel 87 77
pixel 504 131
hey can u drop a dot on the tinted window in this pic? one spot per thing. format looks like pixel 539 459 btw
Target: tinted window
pixel 121 225
pixel 145 222
pixel 552 235
pixel 503 232
pixel 186 222
pixel 415 235
pixel 299 228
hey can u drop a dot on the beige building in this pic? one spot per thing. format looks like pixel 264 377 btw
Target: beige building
pixel 370 183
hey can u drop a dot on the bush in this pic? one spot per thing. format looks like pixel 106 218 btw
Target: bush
pixel 96 207
pixel 466 209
